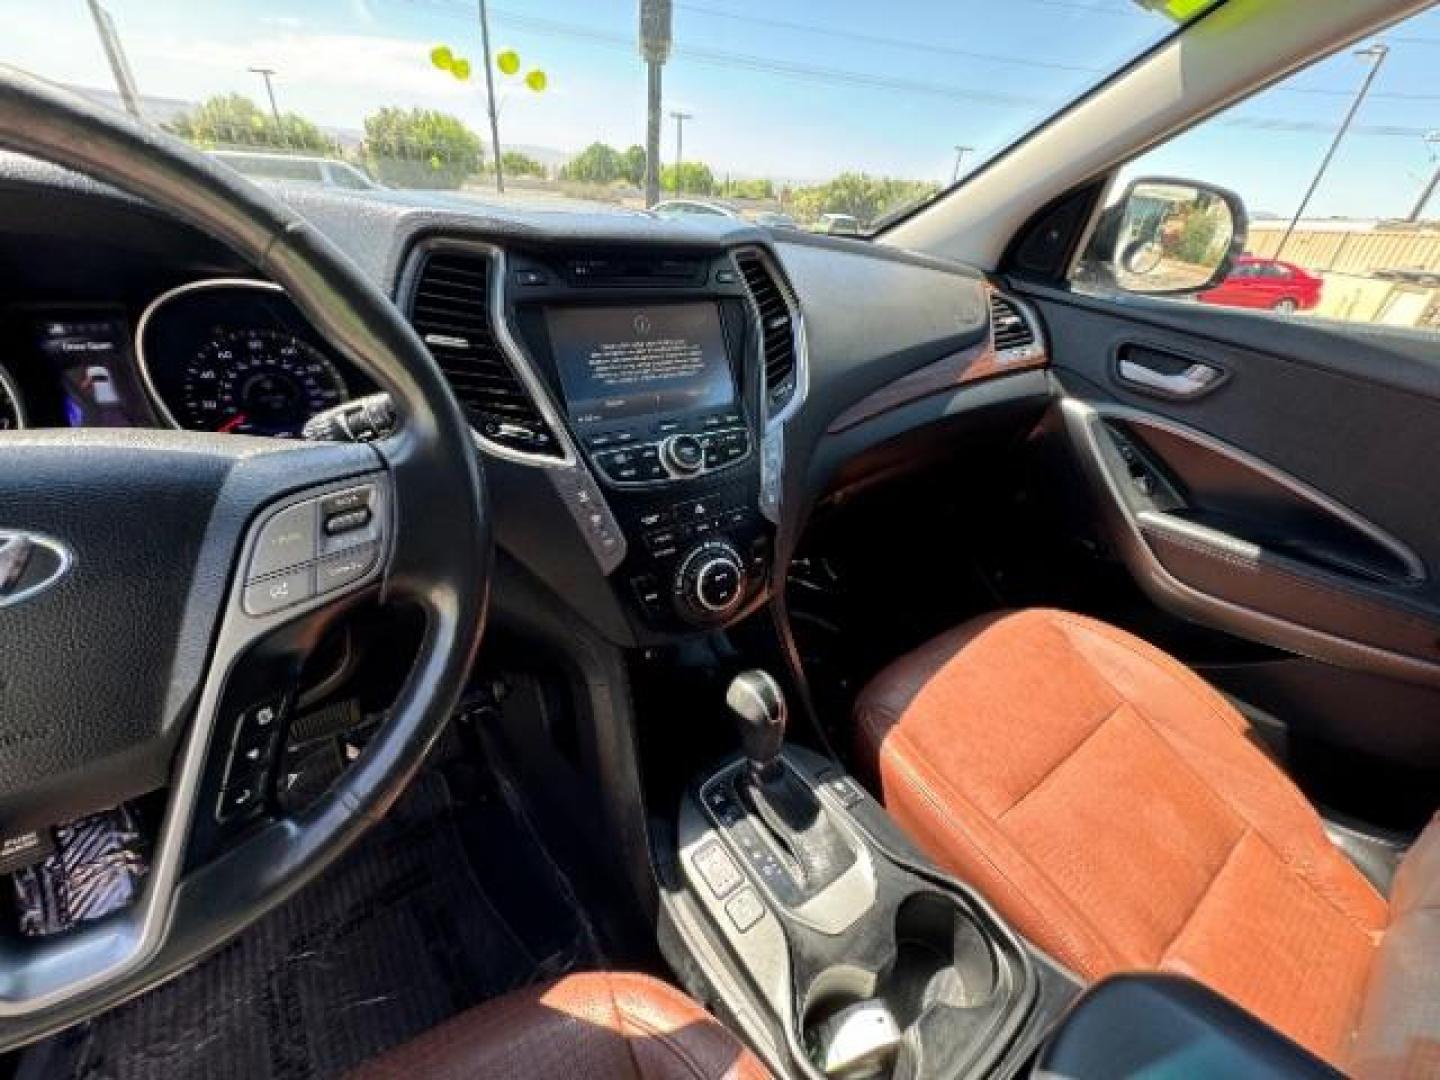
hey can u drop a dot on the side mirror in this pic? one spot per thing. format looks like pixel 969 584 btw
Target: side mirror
pixel 1172 237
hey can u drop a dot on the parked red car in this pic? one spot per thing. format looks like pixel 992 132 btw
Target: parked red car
pixel 1267 283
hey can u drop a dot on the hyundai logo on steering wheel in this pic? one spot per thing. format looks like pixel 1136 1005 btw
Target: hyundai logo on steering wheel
pixel 29 564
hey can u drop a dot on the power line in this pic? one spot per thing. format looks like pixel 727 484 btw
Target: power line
pixel 850 78
pixel 877 39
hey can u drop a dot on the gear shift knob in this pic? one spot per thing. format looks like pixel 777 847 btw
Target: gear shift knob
pixel 759 707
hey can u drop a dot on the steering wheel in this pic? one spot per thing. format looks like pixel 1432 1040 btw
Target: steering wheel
pixel 157 588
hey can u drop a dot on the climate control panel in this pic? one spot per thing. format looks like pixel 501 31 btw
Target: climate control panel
pixel 699 560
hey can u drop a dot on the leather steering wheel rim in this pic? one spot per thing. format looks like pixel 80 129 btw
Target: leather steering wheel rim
pixel 433 467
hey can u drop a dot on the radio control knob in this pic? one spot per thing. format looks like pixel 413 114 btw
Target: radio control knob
pixel 710 582
pixel 684 454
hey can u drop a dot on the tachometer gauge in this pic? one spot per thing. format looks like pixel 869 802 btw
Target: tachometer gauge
pixel 257 382
pixel 12 409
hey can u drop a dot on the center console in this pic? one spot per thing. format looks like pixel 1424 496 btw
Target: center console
pixel 836 944
pixel 655 365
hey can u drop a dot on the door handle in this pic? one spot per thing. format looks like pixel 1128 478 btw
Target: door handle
pixel 1191 382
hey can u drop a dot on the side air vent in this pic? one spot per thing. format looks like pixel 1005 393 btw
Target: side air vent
pixel 777 329
pixel 450 310
pixel 1011 329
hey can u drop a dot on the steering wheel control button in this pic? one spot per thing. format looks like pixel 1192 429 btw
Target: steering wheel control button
pixel 349 521
pixel 337 571
pixel 241 800
pixel 279 592
pixel 287 539
pixel 345 502
pixel 713 863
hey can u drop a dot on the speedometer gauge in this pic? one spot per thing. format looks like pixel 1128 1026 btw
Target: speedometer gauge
pixel 257 382
pixel 12 410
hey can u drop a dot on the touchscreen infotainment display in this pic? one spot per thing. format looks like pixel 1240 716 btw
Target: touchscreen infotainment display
pixel 620 362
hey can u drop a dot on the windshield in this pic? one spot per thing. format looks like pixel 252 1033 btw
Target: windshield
pixel 828 117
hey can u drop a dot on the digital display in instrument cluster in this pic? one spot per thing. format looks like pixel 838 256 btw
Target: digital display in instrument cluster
pixel 90 360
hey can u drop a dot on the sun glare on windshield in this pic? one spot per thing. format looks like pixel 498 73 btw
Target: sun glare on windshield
pixel 787 114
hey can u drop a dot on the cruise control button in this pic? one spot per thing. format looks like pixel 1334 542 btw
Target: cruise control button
pixel 281 591
pixel 340 570
pixel 287 539
pixel 343 502
pixel 349 521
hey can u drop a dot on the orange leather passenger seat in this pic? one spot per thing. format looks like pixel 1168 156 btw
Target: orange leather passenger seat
pixel 1114 808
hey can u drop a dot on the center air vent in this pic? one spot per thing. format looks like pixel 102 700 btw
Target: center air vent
pixel 1011 329
pixel 450 310
pixel 777 329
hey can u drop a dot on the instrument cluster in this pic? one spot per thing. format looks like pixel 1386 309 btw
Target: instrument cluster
pixel 225 355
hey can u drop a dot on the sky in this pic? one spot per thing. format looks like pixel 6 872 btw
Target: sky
pixel 790 89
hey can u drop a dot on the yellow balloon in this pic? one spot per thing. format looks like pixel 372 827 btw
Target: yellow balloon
pixel 537 81
pixel 508 61
pixel 460 69
pixel 442 57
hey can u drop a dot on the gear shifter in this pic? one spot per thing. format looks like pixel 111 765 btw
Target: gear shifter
pixel 760 713
pixel 786 806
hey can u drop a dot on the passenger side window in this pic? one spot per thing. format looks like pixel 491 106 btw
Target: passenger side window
pixel 1338 169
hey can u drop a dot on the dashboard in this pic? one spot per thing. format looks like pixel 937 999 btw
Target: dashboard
pixel 661 404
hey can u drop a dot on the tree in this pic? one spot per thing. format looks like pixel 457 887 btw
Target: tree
pixel 421 148
pixel 862 196
pixel 234 120
pixel 596 164
pixel 748 189
pixel 634 164
pixel 694 178
pixel 518 164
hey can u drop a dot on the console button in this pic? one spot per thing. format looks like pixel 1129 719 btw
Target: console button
pixel 714 865
pixel 647 591
pixel 274 593
pixel 744 909
pixel 287 539
pixel 654 517
pixel 718 584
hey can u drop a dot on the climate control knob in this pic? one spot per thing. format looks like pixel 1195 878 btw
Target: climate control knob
pixel 683 454
pixel 710 582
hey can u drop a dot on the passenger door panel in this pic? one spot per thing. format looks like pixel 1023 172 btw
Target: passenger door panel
pixel 1291 500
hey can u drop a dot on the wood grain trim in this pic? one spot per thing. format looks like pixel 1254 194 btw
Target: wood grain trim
pixel 949 373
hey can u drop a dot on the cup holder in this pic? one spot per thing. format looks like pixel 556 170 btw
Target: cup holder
pixel 942 957
pixel 938 981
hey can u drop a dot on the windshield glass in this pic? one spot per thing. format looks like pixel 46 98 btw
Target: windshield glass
pixel 795 115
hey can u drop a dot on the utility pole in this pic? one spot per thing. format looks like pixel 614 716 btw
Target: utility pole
pixel 1433 138
pixel 266 74
pixel 115 54
pixel 655 49
pixel 960 152
pixel 1375 53
pixel 679 118
pixel 490 98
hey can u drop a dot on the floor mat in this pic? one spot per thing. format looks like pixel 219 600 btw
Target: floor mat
pixel 399 935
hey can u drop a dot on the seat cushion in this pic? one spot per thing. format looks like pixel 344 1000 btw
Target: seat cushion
pixel 607 1025
pixel 1113 807
pixel 1399 1033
